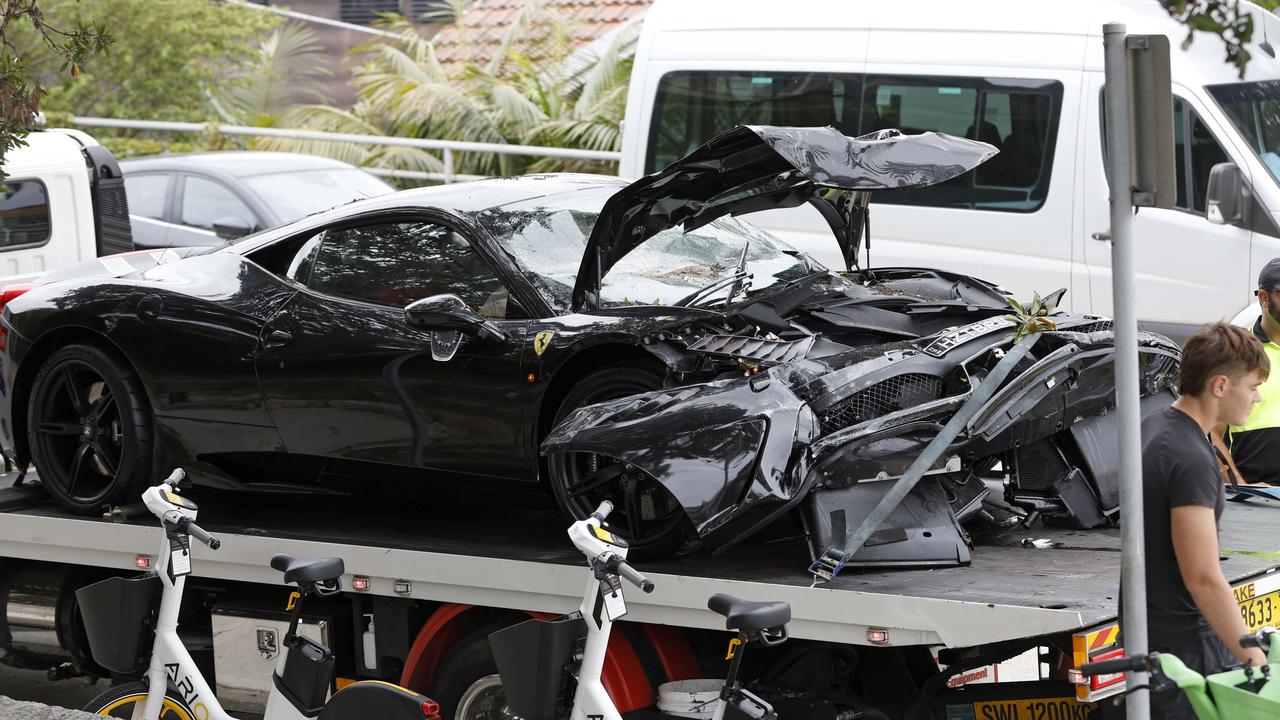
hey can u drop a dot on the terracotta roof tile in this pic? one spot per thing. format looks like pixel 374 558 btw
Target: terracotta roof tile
pixel 478 35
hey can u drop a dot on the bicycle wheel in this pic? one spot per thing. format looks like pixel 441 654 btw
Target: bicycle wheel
pixel 121 700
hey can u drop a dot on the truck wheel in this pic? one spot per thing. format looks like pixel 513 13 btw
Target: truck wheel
pixel 121 700
pixel 468 686
pixel 644 512
pixel 89 429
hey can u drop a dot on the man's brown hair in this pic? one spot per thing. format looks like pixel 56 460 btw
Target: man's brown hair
pixel 1219 349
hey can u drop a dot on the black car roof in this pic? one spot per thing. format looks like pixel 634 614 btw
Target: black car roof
pixel 460 199
pixel 237 163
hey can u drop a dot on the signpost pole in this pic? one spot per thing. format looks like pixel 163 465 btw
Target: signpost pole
pixel 1133 561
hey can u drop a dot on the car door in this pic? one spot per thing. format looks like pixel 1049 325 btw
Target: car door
pixel 1189 270
pixel 345 377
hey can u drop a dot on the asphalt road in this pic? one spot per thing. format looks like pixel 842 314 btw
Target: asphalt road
pixel 33 685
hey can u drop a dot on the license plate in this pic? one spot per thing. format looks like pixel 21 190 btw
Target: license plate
pixel 1038 709
pixel 1259 611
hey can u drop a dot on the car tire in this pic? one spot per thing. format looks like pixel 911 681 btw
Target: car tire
pixel 89 429
pixel 645 513
pixel 468 680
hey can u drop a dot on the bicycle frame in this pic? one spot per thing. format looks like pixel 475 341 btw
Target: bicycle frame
pixel 591 701
pixel 170 661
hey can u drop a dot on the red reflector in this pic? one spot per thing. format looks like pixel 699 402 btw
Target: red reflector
pixel 360 583
pixel 1097 682
pixel 142 562
pixel 10 292
pixel 430 709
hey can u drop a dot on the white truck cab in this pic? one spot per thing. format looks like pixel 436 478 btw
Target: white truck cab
pixel 62 203
pixel 1024 76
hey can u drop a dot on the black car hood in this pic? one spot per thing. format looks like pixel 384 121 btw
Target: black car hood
pixel 754 168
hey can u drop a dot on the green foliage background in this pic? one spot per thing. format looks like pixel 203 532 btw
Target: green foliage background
pixel 167 56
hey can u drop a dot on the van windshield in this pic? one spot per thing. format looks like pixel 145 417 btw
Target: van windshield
pixel 1254 109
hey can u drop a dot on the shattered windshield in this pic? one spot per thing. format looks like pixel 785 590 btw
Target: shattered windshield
pixel 546 236
pixel 1254 109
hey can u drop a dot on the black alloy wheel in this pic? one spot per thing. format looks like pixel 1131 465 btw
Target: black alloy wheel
pixel 644 512
pixel 89 429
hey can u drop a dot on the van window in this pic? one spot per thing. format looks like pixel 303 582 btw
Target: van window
pixel 1203 152
pixel 1195 152
pixel 24 213
pixel 1254 109
pixel 693 106
pixel 1019 117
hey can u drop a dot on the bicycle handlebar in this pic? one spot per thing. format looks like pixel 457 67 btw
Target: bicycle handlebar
pixel 1129 663
pixel 635 578
pixel 199 533
pixel 1260 639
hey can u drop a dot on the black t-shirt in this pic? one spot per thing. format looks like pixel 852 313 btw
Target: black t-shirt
pixel 1178 468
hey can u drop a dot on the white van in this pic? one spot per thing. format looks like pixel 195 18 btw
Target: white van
pixel 1025 76
pixel 62 203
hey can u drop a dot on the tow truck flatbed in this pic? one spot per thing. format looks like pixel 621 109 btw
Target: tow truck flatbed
pixel 519 558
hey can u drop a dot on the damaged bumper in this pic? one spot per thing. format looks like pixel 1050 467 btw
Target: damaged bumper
pixel 737 453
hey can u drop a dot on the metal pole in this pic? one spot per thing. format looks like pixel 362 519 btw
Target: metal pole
pixel 1133 619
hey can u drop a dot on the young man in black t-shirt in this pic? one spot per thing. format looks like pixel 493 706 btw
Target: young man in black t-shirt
pixel 1191 610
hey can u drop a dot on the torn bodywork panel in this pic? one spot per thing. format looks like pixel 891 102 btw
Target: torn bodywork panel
pixel 828 431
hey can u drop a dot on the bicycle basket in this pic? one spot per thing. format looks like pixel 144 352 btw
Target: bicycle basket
pixel 533 688
pixel 115 612
pixel 1239 703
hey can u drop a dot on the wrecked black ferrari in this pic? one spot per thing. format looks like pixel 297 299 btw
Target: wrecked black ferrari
pixel 818 395
pixel 595 338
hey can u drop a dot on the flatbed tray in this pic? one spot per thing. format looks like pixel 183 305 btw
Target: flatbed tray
pixel 1021 583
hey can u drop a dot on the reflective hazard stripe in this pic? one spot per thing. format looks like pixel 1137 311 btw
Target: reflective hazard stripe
pixel 1103 637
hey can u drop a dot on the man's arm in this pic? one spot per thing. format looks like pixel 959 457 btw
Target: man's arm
pixel 1195 542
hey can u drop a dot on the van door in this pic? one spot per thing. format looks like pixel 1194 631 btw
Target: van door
pixel 1189 271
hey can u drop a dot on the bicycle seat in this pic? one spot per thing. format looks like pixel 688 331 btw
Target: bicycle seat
pixel 747 615
pixel 307 570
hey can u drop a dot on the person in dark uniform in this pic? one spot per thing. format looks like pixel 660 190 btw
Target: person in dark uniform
pixel 1191 609
pixel 1255 443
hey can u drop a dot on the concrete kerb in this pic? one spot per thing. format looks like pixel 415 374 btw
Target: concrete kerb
pixel 19 710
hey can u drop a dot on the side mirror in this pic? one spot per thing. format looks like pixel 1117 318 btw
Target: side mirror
pixel 231 227
pixel 1227 199
pixel 448 312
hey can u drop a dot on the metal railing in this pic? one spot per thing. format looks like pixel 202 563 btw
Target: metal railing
pixel 446 147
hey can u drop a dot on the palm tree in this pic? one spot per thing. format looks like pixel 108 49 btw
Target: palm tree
pixel 533 90
pixel 288 70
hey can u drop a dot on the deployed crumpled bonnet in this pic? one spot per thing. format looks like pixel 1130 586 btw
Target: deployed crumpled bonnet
pixel 754 168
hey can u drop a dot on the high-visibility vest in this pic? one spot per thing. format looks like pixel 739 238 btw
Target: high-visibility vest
pixel 1255 446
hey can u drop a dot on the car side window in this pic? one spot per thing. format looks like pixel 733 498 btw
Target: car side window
pixel 147 194
pixel 204 202
pixel 398 263
pixel 24 214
